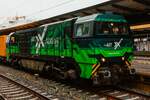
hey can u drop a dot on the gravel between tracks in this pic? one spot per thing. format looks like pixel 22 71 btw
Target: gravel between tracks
pixel 61 91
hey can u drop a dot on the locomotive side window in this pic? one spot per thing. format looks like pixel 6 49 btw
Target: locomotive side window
pixel 86 29
pixel 83 30
pixel 79 31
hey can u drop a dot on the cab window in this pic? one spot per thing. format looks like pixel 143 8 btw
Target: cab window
pixel 83 30
pixel 79 30
pixel 111 28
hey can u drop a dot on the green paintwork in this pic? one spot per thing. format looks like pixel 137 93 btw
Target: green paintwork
pixel 108 17
pixel 82 54
pixel 57 42
pixel 12 49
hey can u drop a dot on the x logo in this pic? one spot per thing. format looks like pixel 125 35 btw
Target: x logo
pixel 40 39
pixel 117 44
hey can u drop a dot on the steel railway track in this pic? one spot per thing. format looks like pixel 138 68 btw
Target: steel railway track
pixel 11 90
pixel 123 94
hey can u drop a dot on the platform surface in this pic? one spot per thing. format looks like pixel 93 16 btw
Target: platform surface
pixel 142 66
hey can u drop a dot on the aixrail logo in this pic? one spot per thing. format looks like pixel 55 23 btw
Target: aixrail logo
pixel 39 40
pixel 117 44
pixel 114 45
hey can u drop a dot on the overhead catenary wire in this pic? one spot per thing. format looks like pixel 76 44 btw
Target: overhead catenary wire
pixel 49 8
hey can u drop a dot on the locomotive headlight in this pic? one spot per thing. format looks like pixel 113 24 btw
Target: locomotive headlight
pixel 123 58
pixel 103 59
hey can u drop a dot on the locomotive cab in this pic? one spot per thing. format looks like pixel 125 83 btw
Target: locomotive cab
pixel 107 41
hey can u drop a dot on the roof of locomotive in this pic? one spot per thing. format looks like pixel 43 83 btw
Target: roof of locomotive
pixel 108 16
pixel 34 29
pixel 104 17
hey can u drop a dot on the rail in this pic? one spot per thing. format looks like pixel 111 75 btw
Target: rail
pixel 120 93
pixel 10 90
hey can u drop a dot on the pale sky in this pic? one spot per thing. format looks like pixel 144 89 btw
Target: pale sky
pixel 41 9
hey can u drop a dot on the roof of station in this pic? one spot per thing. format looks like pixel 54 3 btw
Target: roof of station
pixel 135 11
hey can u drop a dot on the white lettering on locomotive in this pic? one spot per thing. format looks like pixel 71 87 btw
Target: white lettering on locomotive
pixel 108 44
pixel 52 41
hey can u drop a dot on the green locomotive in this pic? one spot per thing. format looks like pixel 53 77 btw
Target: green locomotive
pixel 98 47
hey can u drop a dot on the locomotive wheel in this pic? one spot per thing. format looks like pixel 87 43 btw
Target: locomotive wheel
pixel 60 71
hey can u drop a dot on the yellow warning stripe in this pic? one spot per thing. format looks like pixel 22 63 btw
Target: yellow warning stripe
pixel 94 65
pixel 95 68
pixel 94 71
pixel 94 75
pixel 128 64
